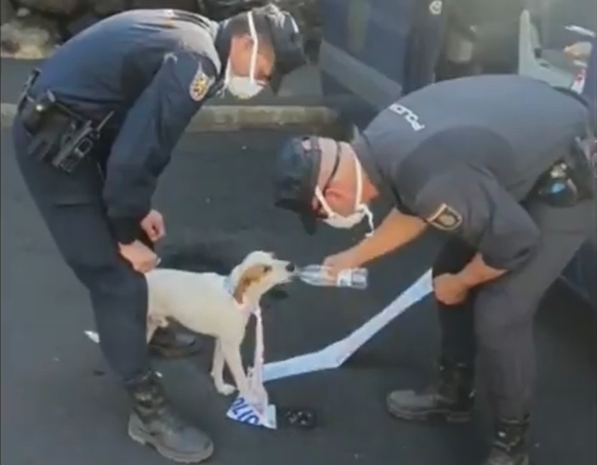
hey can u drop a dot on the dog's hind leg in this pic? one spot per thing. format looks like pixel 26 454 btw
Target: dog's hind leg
pixel 217 371
pixel 232 356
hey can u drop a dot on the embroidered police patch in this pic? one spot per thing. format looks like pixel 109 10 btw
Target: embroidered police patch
pixel 435 8
pixel 169 16
pixel 199 86
pixel 445 218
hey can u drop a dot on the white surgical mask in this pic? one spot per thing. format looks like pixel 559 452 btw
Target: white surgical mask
pixel 245 87
pixel 361 210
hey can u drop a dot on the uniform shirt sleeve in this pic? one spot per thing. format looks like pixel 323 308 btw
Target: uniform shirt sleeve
pixel 150 131
pixel 478 210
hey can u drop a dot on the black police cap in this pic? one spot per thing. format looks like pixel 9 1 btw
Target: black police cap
pixel 286 39
pixel 295 178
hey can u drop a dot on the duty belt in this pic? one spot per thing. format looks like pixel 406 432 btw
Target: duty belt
pixel 59 135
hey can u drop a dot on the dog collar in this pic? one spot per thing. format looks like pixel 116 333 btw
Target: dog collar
pixel 228 285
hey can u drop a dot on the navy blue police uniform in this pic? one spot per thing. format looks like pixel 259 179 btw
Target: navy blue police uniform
pixel 153 70
pixel 134 81
pixel 499 164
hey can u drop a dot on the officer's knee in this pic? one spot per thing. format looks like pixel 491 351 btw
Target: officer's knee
pixel 108 278
pixel 503 314
pixel 502 322
pixel 118 296
pixel 452 258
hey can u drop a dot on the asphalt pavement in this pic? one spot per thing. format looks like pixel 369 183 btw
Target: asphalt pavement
pixel 61 407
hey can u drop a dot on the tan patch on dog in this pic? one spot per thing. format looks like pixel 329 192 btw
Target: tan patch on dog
pixel 249 277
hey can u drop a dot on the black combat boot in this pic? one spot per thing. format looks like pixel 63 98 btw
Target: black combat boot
pixel 450 399
pixel 510 443
pixel 168 343
pixel 154 422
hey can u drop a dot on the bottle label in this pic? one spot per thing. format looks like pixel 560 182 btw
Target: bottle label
pixel 344 278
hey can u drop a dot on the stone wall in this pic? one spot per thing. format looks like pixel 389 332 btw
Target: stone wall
pixel 6 11
pixel 33 28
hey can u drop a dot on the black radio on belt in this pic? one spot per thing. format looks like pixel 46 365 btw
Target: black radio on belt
pixel 571 180
pixel 78 144
pixel 59 135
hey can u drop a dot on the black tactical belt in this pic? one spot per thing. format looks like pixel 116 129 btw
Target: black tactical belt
pixel 59 135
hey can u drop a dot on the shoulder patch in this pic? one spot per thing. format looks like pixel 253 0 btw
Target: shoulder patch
pixel 445 218
pixel 199 85
pixel 169 16
pixel 435 7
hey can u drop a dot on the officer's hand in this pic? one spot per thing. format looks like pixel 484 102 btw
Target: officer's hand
pixel 449 289
pixel 141 257
pixel 579 50
pixel 341 261
pixel 153 225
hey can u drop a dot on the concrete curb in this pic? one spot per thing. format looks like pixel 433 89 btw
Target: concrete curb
pixel 235 117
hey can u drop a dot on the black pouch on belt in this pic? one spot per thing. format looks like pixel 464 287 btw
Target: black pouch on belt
pixel 59 136
pixel 571 180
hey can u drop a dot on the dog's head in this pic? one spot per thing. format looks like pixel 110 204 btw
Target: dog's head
pixel 257 274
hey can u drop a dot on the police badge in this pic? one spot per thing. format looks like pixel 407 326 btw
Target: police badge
pixel 445 218
pixel 199 86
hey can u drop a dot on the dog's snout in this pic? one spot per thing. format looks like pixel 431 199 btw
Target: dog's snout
pixel 291 268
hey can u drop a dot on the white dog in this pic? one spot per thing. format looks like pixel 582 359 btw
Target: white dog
pixel 216 305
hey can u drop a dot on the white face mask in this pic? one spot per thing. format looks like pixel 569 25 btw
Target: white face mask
pixel 361 210
pixel 245 87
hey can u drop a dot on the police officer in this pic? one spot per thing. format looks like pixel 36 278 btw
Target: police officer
pixel 95 129
pixel 498 164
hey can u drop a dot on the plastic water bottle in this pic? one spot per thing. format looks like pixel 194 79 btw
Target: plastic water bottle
pixel 319 275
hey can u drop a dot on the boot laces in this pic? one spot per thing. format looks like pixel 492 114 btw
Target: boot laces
pixel 171 419
pixel 510 436
pixel 152 404
pixel 450 381
pixel 499 457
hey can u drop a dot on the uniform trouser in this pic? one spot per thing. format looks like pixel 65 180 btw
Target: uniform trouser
pixel 72 208
pixel 494 327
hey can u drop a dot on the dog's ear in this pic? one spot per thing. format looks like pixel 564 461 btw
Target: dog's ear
pixel 251 275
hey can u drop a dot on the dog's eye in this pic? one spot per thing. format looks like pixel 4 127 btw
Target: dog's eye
pixel 267 269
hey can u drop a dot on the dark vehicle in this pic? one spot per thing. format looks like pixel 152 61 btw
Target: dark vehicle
pixel 374 51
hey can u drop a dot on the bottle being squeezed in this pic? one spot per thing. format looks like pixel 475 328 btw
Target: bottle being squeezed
pixel 319 275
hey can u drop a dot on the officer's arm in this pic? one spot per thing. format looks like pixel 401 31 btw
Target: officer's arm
pixel 478 272
pixel 149 133
pixel 478 210
pixel 395 231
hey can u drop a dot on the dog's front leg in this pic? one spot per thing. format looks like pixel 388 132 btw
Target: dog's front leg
pixel 217 371
pixel 233 359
